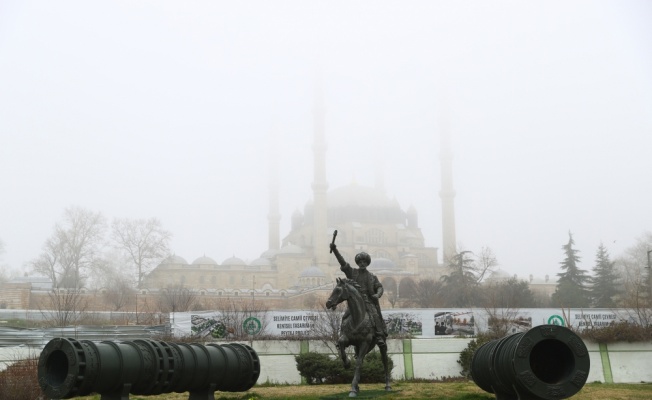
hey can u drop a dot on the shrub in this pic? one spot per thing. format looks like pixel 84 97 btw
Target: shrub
pixel 19 381
pixel 372 368
pixel 618 332
pixel 320 368
pixel 466 356
pixel 313 367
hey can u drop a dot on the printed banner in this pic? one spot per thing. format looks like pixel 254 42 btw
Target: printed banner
pixel 418 323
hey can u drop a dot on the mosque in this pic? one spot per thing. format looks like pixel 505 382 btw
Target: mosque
pixel 297 270
pixel 366 219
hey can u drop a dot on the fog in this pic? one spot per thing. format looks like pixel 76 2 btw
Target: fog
pixel 176 110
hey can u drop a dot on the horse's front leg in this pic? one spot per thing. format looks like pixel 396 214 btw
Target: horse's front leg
pixel 342 344
pixel 360 352
pixel 383 356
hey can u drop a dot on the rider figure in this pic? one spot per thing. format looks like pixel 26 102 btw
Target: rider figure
pixel 371 287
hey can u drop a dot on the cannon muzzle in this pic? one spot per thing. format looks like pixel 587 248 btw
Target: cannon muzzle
pixel 70 368
pixel 547 362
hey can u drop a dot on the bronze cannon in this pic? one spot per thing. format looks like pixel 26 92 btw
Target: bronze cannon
pixel 547 362
pixel 70 368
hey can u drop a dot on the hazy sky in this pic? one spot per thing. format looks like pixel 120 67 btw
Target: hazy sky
pixel 173 110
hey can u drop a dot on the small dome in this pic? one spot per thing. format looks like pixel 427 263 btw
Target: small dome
pixel 261 261
pixel 233 261
pixel 204 261
pixel 291 249
pixel 499 275
pixel 174 260
pixel 380 263
pixel 271 253
pixel 311 272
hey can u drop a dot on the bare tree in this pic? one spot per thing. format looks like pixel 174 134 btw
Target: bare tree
pixel 119 294
pixel 327 325
pixel 466 271
pixel 3 272
pixel 486 262
pixel 504 321
pixel 502 302
pixel 235 314
pixel 632 266
pixel 508 294
pixel 428 294
pixel 144 241
pixel 64 307
pixel 392 298
pixel 74 249
pixel 176 298
pixel 310 301
pixel 391 291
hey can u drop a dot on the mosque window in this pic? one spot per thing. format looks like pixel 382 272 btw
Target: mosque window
pixel 375 236
pixel 382 254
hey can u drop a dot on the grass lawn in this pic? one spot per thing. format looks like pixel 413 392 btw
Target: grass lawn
pixel 405 390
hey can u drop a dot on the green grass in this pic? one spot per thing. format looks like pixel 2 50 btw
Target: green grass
pixel 404 390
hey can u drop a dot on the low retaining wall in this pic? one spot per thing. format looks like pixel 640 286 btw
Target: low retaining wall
pixel 437 358
pixel 418 359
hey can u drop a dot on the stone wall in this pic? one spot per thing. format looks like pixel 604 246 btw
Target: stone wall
pixel 437 359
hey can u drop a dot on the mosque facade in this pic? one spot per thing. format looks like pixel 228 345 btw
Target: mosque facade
pixel 366 219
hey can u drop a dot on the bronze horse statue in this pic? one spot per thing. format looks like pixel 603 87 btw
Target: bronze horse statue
pixel 357 329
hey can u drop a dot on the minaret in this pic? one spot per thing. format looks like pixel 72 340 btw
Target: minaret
pixel 274 215
pixel 319 185
pixel 379 175
pixel 447 193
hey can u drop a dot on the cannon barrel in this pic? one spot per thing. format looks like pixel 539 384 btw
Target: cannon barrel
pixel 546 362
pixel 70 368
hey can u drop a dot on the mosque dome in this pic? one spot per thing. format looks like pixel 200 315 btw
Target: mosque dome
pixel 291 249
pixel 269 254
pixel 174 260
pixel 380 263
pixel 297 219
pixel 358 195
pixel 260 262
pixel 233 261
pixel 204 261
pixel 499 275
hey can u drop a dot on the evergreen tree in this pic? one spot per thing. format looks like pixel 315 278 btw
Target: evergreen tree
pixel 572 285
pixel 460 285
pixel 605 280
pixel 512 293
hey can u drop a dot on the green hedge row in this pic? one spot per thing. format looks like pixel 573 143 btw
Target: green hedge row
pixel 319 368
